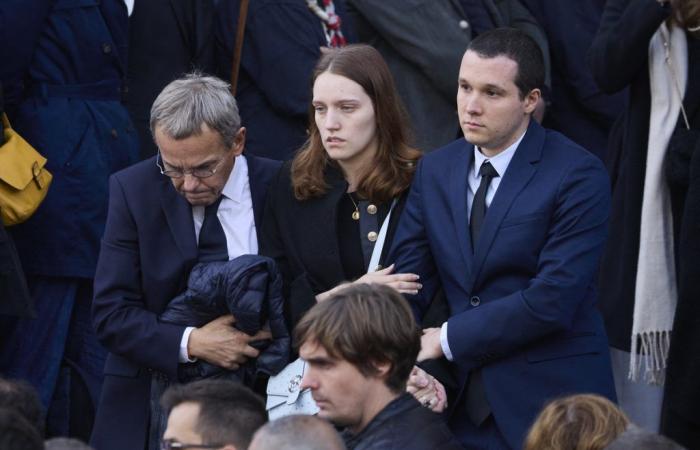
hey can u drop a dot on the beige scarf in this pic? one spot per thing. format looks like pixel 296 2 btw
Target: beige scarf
pixel 655 288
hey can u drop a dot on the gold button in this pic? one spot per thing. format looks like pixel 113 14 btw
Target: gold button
pixel 372 209
pixel 372 236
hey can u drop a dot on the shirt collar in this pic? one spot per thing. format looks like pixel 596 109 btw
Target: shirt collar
pixel 499 162
pixel 237 179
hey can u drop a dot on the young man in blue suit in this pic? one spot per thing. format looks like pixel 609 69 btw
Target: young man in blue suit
pixel 200 199
pixel 510 221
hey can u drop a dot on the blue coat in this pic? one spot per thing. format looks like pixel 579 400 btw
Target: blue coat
pixel 282 43
pixel 64 62
pixel 148 250
pixel 522 302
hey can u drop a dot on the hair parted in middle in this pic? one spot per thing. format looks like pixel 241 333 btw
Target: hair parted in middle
pixel 577 422
pixel 395 160
pixel 365 325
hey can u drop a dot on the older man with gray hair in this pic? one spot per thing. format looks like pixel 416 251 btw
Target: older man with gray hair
pixel 199 200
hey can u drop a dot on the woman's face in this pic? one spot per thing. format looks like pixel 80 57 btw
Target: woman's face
pixel 345 119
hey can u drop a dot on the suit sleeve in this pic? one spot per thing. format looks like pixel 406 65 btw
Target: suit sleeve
pixel 122 322
pixel 410 28
pixel 620 48
pixel 410 250
pixel 564 280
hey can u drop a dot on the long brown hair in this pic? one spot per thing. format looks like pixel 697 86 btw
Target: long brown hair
pixel 686 13
pixel 577 422
pixel 395 160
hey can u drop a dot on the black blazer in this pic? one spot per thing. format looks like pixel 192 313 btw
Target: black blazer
pixel 302 237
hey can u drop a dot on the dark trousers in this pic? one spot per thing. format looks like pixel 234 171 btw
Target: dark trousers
pixel 57 353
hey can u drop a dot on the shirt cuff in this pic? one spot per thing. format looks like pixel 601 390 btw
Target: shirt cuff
pixel 184 357
pixel 443 342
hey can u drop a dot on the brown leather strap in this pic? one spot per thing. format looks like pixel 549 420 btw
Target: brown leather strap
pixel 238 48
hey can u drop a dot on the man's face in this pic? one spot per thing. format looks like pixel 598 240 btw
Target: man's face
pixel 203 151
pixel 491 113
pixel 342 393
pixel 182 423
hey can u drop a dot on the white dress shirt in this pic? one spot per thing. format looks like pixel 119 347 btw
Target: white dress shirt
pixel 129 6
pixel 238 221
pixel 499 162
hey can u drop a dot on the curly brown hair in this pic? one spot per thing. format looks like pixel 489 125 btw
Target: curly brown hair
pixel 395 161
pixel 577 422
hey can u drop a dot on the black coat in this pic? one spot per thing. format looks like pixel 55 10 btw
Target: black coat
pixel 404 425
pixel 302 237
pixel 619 58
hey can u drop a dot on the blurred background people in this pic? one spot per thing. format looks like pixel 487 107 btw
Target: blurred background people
pixel 283 40
pixel 649 268
pixel 577 107
pixel 63 73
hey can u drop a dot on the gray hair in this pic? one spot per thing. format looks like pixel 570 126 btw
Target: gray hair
pixel 62 443
pixel 185 104
pixel 297 432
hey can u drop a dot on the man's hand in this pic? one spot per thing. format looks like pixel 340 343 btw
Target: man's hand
pixel 220 344
pixel 427 390
pixel 430 347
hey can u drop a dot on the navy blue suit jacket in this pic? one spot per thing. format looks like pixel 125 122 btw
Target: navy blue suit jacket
pixel 148 250
pixel 522 300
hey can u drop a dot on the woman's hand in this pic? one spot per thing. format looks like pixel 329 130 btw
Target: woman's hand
pixel 427 390
pixel 405 283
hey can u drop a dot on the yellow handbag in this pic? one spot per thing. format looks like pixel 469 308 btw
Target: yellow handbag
pixel 24 181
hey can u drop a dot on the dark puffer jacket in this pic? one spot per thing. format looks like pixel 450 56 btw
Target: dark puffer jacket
pixel 250 288
pixel 404 425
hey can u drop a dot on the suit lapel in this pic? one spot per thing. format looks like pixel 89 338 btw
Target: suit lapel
pixel 258 188
pixel 178 214
pixel 458 199
pixel 520 170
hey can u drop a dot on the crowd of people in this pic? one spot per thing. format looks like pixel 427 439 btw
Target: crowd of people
pixel 435 224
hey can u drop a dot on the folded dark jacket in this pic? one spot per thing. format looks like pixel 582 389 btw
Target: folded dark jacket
pixel 250 288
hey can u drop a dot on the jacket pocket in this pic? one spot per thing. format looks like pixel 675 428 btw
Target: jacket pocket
pixel 585 344
pixel 525 218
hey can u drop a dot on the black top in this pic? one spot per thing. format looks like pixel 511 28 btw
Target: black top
pixel 349 237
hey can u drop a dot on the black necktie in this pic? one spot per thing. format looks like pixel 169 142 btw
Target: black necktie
pixel 476 219
pixel 478 408
pixel 212 239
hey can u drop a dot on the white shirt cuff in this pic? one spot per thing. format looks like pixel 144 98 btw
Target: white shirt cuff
pixel 443 342
pixel 184 357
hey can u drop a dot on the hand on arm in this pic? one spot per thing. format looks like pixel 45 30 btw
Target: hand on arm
pixel 404 283
pixel 222 345
pixel 430 346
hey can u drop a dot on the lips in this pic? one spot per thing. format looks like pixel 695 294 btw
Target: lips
pixel 473 125
pixel 334 140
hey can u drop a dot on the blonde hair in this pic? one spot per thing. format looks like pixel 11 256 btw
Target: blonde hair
pixel 578 422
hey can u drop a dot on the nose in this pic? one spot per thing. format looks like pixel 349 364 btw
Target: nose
pixel 308 380
pixel 189 182
pixel 330 122
pixel 471 103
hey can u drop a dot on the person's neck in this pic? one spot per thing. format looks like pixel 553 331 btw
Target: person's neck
pixel 355 171
pixel 490 153
pixel 377 401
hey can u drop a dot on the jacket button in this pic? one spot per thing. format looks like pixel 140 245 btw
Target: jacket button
pixel 372 209
pixel 372 236
pixel 475 301
pixel 106 48
pixel 463 24
pixel 114 133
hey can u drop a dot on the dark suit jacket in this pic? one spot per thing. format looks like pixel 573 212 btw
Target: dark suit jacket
pixel 147 252
pixel 302 237
pixel 522 301
pixel 167 38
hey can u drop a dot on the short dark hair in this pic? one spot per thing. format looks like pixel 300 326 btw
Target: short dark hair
pixel 365 325
pixel 20 396
pixel 518 46
pixel 16 433
pixel 229 413
pixel 298 432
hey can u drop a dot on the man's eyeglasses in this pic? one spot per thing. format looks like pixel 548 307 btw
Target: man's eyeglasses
pixel 197 172
pixel 169 444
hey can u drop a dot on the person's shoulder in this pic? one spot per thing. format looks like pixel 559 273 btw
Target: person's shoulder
pixel 140 174
pixel 446 153
pixel 260 163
